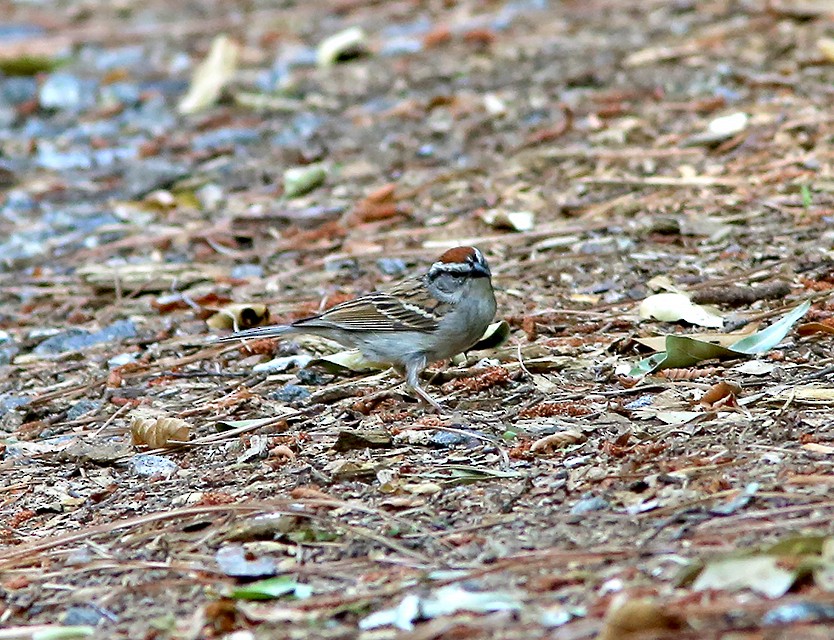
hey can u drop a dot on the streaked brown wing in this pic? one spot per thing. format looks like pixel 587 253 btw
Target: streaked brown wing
pixel 404 308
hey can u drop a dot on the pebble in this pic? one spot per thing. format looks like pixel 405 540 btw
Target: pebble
pixel 313 378
pixel 246 271
pixel 81 407
pixel 9 402
pixel 391 266
pixel 290 393
pixel 76 339
pixel 64 91
pixel 589 504
pixel 232 561
pixel 150 465
pixel 84 615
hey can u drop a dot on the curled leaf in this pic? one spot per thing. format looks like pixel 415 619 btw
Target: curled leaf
pixel 239 316
pixel 557 441
pixel 513 220
pixel 158 432
pixel 495 335
pixel 301 180
pixel 682 351
pixel 350 360
pixel 344 45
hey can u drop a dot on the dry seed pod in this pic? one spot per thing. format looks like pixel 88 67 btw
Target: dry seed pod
pixel 158 432
pixel 557 441
pixel 239 316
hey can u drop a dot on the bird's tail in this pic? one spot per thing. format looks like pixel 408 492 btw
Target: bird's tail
pixel 272 331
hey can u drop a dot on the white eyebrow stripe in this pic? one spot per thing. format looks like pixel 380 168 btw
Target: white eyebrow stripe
pixel 449 268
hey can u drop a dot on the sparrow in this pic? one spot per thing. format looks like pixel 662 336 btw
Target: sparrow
pixel 420 320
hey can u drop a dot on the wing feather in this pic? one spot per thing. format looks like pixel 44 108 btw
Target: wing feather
pixel 406 307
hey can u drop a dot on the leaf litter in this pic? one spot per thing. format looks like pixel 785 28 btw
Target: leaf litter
pixel 189 162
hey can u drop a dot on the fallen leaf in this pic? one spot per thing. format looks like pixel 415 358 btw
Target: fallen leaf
pixel 682 351
pixel 273 588
pixel 442 602
pixel 557 441
pixel 341 46
pixel 637 619
pixel 158 431
pixel 720 391
pixel 671 307
pixel 211 76
pixel 301 180
pixel 763 574
pixel 513 220
pixel 239 316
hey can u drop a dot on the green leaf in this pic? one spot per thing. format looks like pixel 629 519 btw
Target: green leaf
pixel 766 339
pixel 798 546
pixel 64 633
pixel 805 191
pixel 683 351
pixel 273 588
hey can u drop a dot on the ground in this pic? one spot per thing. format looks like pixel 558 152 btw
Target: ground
pixel 562 495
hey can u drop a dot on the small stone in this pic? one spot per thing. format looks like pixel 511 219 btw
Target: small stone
pixel 312 378
pixel 81 407
pixel 83 615
pixel 67 92
pixel 122 359
pixel 9 402
pixel 150 465
pixel 290 393
pixel 589 504
pixel 232 560
pixel 76 339
pixel 391 266
pixel 246 271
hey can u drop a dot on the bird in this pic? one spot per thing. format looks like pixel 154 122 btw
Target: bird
pixel 420 320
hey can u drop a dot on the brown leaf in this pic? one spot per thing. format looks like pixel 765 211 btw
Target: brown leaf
pixel 636 619
pixel 380 204
pixel 724 392
pixel 810 328
pixel 239 316
pixel 557 441
pixel 158 432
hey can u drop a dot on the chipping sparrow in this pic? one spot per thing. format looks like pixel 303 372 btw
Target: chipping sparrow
pixel 420 320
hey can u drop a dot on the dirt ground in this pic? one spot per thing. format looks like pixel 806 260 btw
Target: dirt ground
pixel 561 496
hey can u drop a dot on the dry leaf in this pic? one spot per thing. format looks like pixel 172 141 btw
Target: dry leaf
pixel 158 432
pixel 211 76
pixel 557 441
pixel 721 392
pixel 341 46
pixel 816 447
pixel 671 307
pixel 380 204
pixel 513 220
pixel 239 316
pixel 282 450
pixel 636 619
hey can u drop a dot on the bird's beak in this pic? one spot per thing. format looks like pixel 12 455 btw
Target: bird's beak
pixel 481 270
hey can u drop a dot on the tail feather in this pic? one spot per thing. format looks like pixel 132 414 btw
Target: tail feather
pixel 258 332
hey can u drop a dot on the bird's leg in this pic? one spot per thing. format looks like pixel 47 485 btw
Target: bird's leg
pixel 411 373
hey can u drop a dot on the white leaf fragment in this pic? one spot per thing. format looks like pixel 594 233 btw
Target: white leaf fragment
pixel 444 601
pixel 671 307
